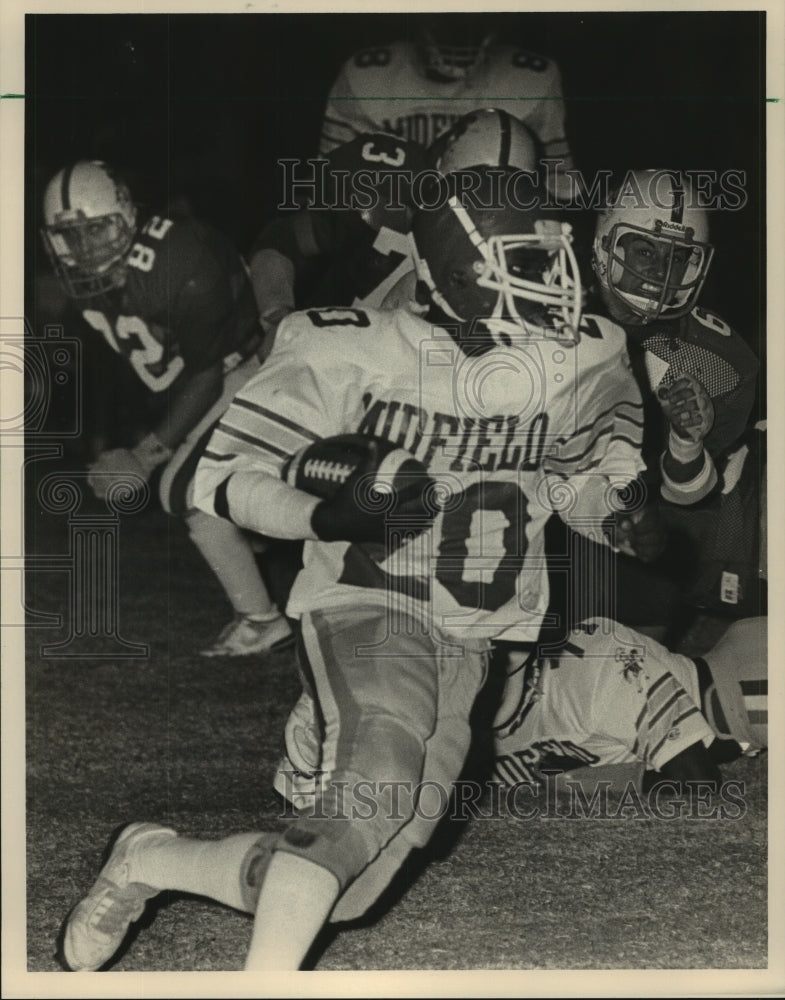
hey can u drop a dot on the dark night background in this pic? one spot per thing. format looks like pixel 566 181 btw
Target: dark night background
pixel 203 105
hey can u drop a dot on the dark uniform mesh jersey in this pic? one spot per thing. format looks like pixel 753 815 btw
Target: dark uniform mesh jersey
pixel 187 303
pixel 367 245
pixel 690 573
pixel 703 345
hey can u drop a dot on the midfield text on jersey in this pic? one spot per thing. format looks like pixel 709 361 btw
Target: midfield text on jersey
pixel 472 443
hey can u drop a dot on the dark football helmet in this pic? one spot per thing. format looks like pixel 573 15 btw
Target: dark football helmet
pixel 89 227
pixel 651 252
pixel 505 270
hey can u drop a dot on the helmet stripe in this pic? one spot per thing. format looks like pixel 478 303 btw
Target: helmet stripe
pixel 65 186
pixel 505 139
pixel 677 212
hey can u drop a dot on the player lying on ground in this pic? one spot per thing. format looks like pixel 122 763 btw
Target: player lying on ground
pixel 513 406
pixel 613 696
pixel 174 299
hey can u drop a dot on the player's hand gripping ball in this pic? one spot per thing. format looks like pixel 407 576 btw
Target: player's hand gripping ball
pixel 368 486
pixel 688 407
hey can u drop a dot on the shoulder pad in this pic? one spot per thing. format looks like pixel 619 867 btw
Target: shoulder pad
pixel 321 322
pixel 506 57
pixel 374 59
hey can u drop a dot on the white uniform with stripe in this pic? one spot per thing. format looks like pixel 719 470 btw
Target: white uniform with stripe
pixel 511 435
pixel 613 696
pixel 394 641
pixel 385 89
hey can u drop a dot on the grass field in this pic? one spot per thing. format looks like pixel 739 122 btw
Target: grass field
pixel 193 743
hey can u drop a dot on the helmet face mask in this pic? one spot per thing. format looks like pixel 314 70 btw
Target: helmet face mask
pixel 538 283
pixel 655 274
pixel 450 51
pixel 652 257
pixel 90 226
pixel 503 270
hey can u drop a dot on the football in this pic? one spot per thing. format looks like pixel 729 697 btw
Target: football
pixel 323 467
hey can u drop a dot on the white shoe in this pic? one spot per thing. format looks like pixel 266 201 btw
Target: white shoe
pixel 97 926
pixel 247 634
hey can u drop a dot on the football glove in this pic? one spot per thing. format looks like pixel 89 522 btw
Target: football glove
pixel 358 513
pixel 688 407
pixel 641 534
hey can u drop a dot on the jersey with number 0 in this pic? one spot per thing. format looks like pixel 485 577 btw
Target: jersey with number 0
pixel 613 696
pixel 509 436
pixel 386 89
pixel 186 303
pixel 365 237
pixel 703 345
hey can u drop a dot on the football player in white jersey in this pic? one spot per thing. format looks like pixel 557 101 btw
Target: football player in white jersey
pixel 418 89
pixel 613 697
pixel 517 405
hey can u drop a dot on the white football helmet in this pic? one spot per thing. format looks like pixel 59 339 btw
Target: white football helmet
pixel 511 270
pixel 736 704
pixel 651 252
pixel 486 137
pixel 89 227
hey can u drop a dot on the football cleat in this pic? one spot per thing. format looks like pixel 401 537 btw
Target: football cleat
pixel 247 634
pixel 96 927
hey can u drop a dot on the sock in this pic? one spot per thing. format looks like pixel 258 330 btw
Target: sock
pixel 296 898
pixel 213 868
pixel 230 556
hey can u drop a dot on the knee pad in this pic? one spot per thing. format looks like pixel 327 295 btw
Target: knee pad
pixel 253 869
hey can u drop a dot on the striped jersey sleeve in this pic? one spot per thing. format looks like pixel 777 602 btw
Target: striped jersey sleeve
pixel 296 398
pixel 668 723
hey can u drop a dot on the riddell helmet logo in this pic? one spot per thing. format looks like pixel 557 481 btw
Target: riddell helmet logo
pixel 676 228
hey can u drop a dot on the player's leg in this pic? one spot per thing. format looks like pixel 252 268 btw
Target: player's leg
pixel 146 859
pixel 377 684
pixel 257 624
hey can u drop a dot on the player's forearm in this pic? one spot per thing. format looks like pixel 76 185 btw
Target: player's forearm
pixel 272 278
pixel 192 397
pixel 259 501
pixel 688 472
pixel 279 255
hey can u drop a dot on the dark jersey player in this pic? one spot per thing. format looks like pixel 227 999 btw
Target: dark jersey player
pixel 359 218
pixel 697 376
pixel 174 299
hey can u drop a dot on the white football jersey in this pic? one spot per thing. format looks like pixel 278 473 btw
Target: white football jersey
pixel 385 89
pixel 613 696
pixel 509 436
